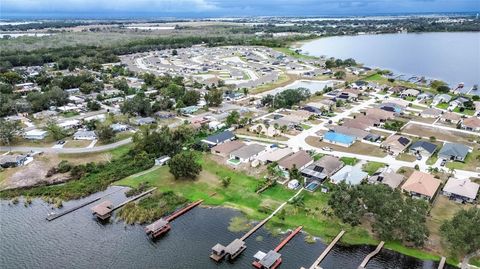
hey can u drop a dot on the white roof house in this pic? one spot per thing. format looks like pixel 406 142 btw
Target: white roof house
pixel 84 135
pixel 68 124
pixel 351 174
pixel 35 134
pixel 462 190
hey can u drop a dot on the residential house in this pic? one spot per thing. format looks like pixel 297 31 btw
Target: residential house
pixel 12 160
pixel 379 114
pixel 143 121
pixel 299 160
pixel 409 93
pixel 421 185
pixel 351 174
pixel 454 152
pixel 424 96
pixel 459 102
pixel 397 89
pixel 274 155
pixel 45 114
pixel 423 148
pixel 441 98
pixel 226 148
pixel 471 124
pixel 246 154
pixel 234 96
pixel 388 177
pixel 431 113
pixel 338 139
pixel 395 144
pixel 324 168
pixel 69 124
pixel 461 190
pixel 359 134
pixel 84 135
pixel 477 108
pixel 118 127
pixel 219 138
pixel 189 110
pixel 35 134
pixel 392 107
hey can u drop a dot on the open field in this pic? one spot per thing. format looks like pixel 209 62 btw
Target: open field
pixel 77 143
pixel 427 131
pixel 442 209
pixel 283 80
pixel 357 147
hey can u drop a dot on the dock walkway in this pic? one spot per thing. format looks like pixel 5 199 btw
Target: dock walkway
pixel 442 263
pixel 322 256
pixel 134 198
pixel 56 216
pixel 371 255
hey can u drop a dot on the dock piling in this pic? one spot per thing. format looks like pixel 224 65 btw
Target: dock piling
pixel 322 256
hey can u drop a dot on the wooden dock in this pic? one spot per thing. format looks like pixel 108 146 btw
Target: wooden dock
pixel 51 217
pixel 371 255
pixel 134 198
pixel 322 256
pixel 442 263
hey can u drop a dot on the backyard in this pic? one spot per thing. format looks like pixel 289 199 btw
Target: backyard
pixel 356 148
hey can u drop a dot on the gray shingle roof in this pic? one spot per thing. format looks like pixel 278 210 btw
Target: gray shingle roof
pixel 430 147
pixel 454 149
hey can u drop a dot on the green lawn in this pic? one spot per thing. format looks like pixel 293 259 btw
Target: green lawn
pixel 305 126
pixel 472 162
pixel 294 54
pixel 349 160
pixel 372 167
pixel 442 106
pixel 468 112
pixel 375 77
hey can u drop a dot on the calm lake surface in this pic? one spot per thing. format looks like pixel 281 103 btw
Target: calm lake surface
pixel 76 240
pixel 451 57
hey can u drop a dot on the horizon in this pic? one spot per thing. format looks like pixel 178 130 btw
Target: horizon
pixel 203 9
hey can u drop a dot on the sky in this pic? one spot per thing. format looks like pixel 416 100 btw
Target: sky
pixel 226 8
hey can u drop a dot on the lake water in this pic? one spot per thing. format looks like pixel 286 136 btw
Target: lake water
pixel 76 240
pixel 451 57
pixel 312 85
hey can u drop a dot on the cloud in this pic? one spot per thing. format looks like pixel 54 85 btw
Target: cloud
pixel 236 7
pixel 169 6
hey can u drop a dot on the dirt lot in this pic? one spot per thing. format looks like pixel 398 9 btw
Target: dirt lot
pixel 34 172
pixel 427 131
pixel 357 147
pixel 442 209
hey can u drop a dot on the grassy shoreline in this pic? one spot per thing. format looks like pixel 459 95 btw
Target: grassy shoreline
pixel 240 195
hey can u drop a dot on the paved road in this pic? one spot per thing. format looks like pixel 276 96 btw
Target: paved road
pixel 69 150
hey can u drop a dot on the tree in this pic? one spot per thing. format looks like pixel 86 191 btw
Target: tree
pixel 346 204
pixel 340 75
pixel 8 130
pixel 105 133
pixel 443 89
pixel 138 105
pixel 93 105
pixel 233 118
pixel 11 77
pixel 184 166
pixel 121 84
pixel 55 131
pixel 214 97
pixel 462 234
pixel 191 98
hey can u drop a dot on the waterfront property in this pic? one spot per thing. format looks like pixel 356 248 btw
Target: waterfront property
pixel 421 185
pixel 461 190
pixel 323 168
pixel 351 174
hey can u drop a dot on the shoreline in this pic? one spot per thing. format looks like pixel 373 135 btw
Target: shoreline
pixel 401 75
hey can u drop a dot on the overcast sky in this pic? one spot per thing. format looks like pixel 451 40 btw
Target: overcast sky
pixel 225 8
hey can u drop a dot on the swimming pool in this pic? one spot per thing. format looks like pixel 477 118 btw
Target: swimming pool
pixel 312 186
pixel 339 138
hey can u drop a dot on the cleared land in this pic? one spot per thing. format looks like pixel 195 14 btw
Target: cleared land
pixel 439 134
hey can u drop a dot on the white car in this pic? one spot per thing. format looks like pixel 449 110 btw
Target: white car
pixel 326 149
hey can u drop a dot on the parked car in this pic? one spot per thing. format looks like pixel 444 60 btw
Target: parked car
pixel 443 162
pixel 60 142
pixel 327 149
pixel 419 157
